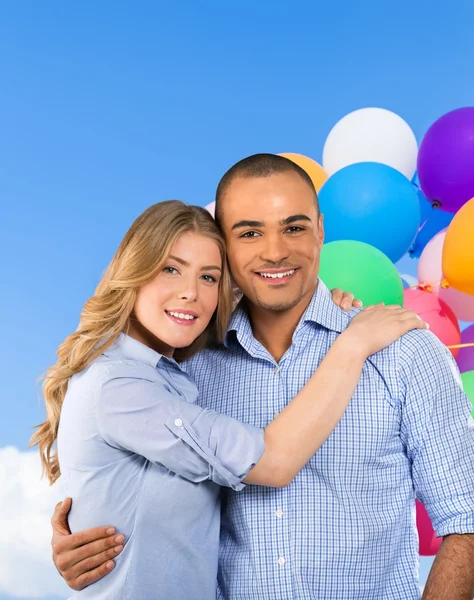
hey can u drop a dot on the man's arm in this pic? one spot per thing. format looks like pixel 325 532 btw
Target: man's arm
pixel 85 557
pixel 452 574
pixel 438 431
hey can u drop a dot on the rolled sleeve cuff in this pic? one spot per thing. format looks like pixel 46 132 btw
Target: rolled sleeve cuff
pixel 453 516
pixel 237 464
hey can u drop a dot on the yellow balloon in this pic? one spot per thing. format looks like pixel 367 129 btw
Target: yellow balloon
pixel 315 171
pixel 458 250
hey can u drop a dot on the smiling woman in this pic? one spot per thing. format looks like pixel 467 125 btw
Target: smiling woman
pixel 133 446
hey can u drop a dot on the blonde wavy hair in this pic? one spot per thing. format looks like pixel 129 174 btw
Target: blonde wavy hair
pixel 141 254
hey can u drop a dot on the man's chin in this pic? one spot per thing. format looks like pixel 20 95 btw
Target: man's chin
pixel 274 305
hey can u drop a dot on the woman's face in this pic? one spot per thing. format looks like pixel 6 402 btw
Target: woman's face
pixel 173 309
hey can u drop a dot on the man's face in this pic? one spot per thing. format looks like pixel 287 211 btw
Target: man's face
pixel 274 238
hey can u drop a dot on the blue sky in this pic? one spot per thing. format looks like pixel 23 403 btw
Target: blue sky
pixel 107 107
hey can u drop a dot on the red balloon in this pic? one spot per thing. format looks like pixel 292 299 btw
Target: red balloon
pixel 441 319
pixel 429 543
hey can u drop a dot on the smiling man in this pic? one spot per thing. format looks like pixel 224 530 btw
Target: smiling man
pixel 344 529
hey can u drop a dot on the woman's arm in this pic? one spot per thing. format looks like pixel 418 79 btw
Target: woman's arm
pixel 302 427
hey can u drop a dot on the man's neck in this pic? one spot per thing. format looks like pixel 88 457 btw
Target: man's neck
pixel 275 329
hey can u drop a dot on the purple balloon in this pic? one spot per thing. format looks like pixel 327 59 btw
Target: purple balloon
pixel 446 160
pixel 465 358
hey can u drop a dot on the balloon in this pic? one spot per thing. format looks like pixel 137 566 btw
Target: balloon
pixel 363 270
pixel 430 273
pixel 458 249
pixel 211 208
pixel 315 171
pixel 371 135
pixel 432 221
pixel 371 203
pixel 428 542
pixel 468 386
pixel 446 160
pixel 465 358
pixel 437 314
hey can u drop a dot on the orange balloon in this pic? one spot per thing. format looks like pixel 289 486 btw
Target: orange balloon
pixel 315 171
pixel 458 250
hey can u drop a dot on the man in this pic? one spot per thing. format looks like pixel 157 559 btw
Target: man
pixel 344 529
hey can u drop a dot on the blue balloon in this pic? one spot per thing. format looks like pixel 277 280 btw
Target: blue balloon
pixel 432 221
pixel 372 203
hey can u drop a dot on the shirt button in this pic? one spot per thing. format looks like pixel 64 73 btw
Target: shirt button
pixel 277 369
pixel 281 561
pixel 178 423
pixel 279 513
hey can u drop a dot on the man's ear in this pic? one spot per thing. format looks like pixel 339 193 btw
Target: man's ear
pixel 321 231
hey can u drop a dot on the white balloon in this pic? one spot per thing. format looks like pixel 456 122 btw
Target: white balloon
pixel 371 135
pixel 211 208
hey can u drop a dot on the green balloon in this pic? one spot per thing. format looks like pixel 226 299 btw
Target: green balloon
pixel 361 269
pixel 468 385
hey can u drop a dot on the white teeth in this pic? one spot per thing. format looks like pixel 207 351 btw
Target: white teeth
pixel 181 316
pixel 277 275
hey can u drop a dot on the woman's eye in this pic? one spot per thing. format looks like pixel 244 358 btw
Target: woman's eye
pixel 170 270
pixel 209 278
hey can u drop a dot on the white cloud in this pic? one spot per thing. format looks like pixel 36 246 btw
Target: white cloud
pixel 26 505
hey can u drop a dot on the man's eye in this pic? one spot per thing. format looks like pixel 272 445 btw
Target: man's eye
pixel 295 229
pixel 249 234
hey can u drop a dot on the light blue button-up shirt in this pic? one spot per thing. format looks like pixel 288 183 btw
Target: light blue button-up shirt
pixel 136 451
pixel 345 528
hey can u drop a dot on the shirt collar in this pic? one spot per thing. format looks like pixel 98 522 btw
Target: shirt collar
pixel 321 311
pixel 126 347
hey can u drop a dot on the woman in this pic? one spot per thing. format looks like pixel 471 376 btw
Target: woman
pixel 132 443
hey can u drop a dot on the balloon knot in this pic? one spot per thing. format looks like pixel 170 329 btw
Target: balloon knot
pixel 425 287
pixel 445 284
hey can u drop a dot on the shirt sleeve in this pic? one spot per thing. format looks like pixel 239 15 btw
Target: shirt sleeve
pixel 438 432
pixel 140 415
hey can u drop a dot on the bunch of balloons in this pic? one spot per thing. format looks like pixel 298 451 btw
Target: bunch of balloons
pixel 383 197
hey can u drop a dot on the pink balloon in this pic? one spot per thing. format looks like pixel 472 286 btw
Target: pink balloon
pixel 211 208
pixel 429 543
pixel 430 273
pixel 465 357
pixel 437 314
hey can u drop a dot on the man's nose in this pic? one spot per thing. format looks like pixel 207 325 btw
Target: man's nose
pixel 275 249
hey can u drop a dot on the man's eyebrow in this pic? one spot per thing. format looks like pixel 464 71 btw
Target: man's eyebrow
pixel 294 218
pixel 247 223
pixel 183 262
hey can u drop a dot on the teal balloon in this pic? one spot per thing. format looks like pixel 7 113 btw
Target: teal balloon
pixel 361 269
pixel 468 385
pixel 372 203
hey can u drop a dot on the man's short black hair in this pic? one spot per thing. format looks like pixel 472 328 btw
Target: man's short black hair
pixel 260 165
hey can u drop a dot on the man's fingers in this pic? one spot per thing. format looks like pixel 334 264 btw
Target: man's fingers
pixel 72 557
pixel 89 564
pixel 59 519
pixel 81 538
pixel 91 576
